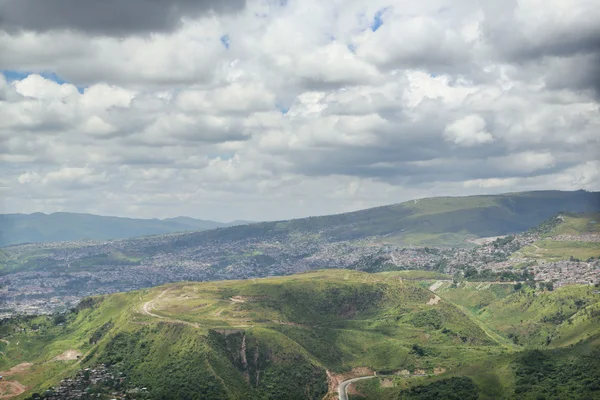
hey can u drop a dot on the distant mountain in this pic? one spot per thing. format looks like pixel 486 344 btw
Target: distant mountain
pixel 56 227
pixel 436 221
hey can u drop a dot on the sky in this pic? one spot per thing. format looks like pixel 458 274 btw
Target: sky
pixel 275 109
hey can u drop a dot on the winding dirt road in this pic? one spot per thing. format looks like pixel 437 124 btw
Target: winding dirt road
pixel 151 305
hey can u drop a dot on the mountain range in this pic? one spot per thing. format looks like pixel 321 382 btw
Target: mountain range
pixel 63 226
pixel 430 221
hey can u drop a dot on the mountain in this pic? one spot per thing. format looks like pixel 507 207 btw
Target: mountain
pixel 437 221
pixel 447 220
pixel 57 227
pixel 431 221
pixel 297 337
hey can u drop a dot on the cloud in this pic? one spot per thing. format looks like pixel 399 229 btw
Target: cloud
pixel 308 110
pixel 109 17
pixel 468 131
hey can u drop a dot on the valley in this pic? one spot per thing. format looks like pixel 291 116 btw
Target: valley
pixel 300 309
pixel 44 278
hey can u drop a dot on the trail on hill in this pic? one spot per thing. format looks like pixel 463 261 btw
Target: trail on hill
pixel 151 305
pixel 10 389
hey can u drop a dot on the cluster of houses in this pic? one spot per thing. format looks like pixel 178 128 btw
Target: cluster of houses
pixel 65 272
pixel 92 383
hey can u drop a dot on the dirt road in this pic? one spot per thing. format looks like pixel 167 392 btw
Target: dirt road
pixel 151 305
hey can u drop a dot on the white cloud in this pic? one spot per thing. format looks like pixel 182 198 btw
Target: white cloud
pixel 468 131
pixel 309 110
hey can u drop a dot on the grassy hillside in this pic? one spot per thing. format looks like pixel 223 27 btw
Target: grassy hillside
pixel 576 237
pixel 557 353
pixel 241 339
pixel 432 221
pixel 565 373
pixel 56 227
pixel 529 317
pixel 282 337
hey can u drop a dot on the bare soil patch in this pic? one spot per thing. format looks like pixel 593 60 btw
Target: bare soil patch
pixel 9 389
pixel 436 299
pixel 68 355
pixel 243 299
pixel 17 369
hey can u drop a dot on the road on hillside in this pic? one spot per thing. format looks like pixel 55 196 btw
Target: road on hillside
pixel 344 385
pixel 150 305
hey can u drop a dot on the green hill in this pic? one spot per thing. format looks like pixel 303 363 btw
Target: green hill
pixel 431 221
pixel 281 338
pixel 57 227
pixel 575 237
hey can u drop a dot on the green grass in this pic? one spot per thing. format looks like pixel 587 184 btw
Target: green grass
pixel 531 318
pixel 417 275
pixel 576 224
pixel 284 333
pixel 554 250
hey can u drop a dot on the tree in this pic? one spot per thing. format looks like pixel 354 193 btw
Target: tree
pixel 518 286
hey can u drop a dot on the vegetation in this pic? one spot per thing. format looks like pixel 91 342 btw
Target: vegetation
pixel 276 338
pixel 456 388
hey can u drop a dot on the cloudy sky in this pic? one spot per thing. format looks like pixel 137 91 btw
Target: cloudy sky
pixel 271 109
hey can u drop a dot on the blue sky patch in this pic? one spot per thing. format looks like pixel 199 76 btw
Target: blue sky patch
pixel 282 108
pixel 12 75
pixel 378 19
pixel 226 41
pixel 16 75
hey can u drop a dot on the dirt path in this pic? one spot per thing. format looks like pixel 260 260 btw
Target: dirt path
pixel 538 248
pixel 236 299
pixel 151 305
pixel 10 389
pixel 17 369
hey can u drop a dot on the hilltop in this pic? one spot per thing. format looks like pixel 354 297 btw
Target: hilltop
pixel 297 336
pixel 62 227
pixel 438 221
